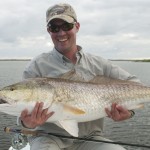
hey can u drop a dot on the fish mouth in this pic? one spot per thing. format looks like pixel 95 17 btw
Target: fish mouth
pixel 2 98
pixel 2 101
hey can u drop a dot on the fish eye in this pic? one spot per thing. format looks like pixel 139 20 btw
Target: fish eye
pixel 12 89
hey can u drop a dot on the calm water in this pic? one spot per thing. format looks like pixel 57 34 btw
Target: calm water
pixel 135 130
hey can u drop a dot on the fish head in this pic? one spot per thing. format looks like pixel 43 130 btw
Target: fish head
pixel 15 92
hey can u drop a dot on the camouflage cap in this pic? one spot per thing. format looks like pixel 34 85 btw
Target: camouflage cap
pixel 61 11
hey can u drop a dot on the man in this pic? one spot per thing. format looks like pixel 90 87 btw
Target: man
pixel 62 25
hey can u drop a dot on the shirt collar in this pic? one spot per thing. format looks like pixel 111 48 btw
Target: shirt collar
pixel 63 58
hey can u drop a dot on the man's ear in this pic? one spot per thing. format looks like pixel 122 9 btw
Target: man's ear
pixel 48 31
pixel 77 26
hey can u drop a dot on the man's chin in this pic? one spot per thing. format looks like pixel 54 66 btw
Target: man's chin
pixel 63 50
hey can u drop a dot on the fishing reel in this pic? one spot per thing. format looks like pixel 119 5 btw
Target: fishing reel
pixel 19 141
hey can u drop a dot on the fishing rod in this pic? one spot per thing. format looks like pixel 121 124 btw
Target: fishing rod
pixel 41 132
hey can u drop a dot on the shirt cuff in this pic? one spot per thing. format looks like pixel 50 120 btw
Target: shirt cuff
pixel 20 122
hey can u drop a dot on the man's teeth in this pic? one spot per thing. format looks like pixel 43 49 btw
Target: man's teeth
pixel 62 40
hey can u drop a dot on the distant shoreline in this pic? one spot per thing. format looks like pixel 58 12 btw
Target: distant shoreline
pixel 15 59
pixel 133 60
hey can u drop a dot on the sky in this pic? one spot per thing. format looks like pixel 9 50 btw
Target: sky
pixel 113 29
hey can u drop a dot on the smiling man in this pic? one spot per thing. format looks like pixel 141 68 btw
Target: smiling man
pixel 62 25
pixel 63 35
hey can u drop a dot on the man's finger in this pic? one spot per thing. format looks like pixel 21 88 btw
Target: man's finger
pixel 49 115
pixel 24 113
pixel 35 110
pixel 121 109
pixel 39 111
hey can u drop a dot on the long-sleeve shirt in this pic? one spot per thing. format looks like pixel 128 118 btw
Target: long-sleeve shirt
pixel 54 64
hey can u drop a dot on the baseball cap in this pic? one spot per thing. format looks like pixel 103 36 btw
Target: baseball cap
pixel 61 11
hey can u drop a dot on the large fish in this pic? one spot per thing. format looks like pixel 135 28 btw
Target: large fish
pixel 72 101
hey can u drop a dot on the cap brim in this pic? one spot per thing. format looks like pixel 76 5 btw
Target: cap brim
pixel 63 17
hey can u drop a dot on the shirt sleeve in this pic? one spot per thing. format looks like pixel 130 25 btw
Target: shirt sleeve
pixel 107 68
pixel 119 73
pixel 31 70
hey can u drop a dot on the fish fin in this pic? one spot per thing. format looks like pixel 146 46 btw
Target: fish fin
pixel 73 110
pixel 100 79
pixel 139 106
pixel 10 109
pixel 71 126
pixel 72 75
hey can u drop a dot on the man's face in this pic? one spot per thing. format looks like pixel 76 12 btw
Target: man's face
pixel 64 41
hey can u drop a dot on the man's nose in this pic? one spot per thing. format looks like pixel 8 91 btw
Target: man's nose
pixel 61 32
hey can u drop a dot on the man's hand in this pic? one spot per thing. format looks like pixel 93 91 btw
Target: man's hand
pixel 118 113
pixel 37 117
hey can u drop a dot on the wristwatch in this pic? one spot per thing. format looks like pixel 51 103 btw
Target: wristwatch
pixel 132 113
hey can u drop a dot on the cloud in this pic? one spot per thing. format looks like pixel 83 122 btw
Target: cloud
pixel 113 28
